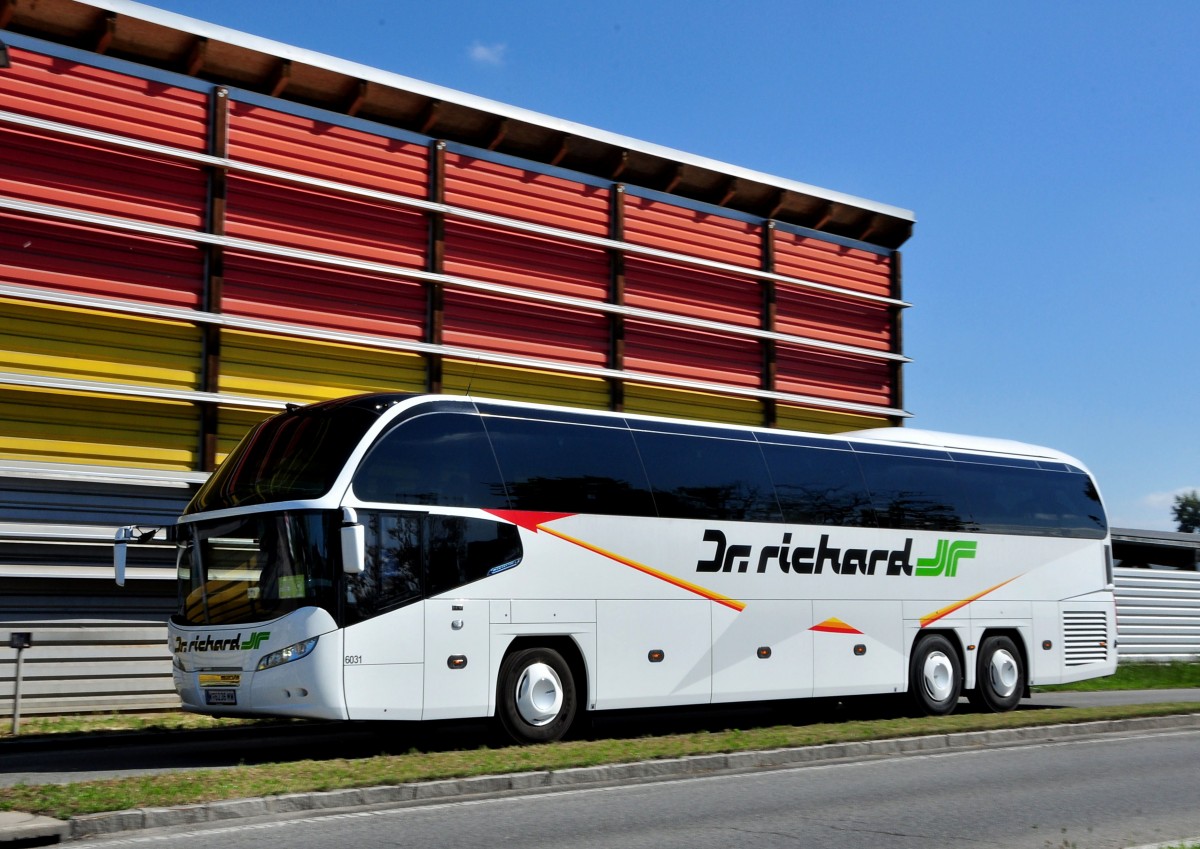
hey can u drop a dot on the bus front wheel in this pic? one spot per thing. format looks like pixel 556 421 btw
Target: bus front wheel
pixel 536 702
pixel 934 676
pixel 1000 676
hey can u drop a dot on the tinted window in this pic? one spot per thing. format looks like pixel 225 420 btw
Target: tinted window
pixel 463 550
pixel 570 468
pixel 291 456
pixel 411 555
pixel 698 477
pixel 819 487
pixel 916 493
pixel 441 459
pixel 1034 501
pixel 394 570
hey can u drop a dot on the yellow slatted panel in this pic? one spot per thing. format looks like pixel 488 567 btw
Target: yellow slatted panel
pixel 824 421
pixel 488 381
pixel 64 427
pixel 303 371
pixel 86 345
pixel 679 403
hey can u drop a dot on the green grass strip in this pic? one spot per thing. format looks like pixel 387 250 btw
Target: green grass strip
pixel 64 801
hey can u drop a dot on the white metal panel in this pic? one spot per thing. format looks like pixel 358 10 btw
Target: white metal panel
pixel 628 631
pixel 779 627
pixel 395 643
pixel 457 628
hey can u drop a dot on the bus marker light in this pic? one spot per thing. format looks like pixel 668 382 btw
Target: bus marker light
pixel 1047 645
pixel 656 655
pixel 859 649
pixel 457 661
pixel 764 652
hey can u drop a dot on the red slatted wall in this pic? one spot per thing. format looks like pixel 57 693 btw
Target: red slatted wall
pixel 367 243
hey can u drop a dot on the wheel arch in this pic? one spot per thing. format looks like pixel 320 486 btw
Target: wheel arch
pixel 566 646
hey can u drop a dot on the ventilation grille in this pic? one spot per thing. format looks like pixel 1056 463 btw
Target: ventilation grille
pixel 1085 637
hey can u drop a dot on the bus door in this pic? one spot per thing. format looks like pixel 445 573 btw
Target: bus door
pixel 384 639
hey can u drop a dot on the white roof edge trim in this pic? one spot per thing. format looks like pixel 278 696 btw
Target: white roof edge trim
pixel 964 442
pixel 388 78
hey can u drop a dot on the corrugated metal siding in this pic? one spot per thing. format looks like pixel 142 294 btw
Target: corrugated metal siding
pixel 303 371
pixel 808 258
pixel 693 292
pixel 511 326
pixel 1158 614
pixel 678 229
pixel 830 318
pixel 489 381
pixel 495 255
pixel 89 176
pixel 49 501
pixel 304 145
pixel 683 404
pixel 86 96
pixel 315 295
pixel 499 189
pixel 670 350
pixel 824 421
pixel 52 426
pixel 324 221
pixel 87 345
pixel 94 261
pixel 828 375
pixel 96 662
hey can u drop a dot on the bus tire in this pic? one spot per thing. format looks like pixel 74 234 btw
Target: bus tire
pixel 999 676
pixel 536 701
pixel 934 676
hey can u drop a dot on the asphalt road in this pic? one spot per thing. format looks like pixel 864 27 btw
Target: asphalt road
pixel 1108 791
pixel 66 761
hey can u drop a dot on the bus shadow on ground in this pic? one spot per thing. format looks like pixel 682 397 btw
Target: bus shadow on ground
pixel 402 738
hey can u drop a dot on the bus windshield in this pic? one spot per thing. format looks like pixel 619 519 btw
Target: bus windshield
pixel 258 567
pixel 292 456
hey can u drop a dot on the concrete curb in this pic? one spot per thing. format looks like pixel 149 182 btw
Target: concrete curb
pixel 113 822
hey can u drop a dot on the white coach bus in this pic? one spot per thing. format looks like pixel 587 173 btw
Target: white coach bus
pixel 406 557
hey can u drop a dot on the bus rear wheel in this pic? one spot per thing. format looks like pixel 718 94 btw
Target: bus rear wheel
pixel 999 677
pixel 536 702
pixel 934 676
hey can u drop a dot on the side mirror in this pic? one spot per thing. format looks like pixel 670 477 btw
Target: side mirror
pixel 120 549
pixel 124 536
pixel 354 543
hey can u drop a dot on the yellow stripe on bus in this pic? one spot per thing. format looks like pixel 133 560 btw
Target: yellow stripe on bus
pixel 733 604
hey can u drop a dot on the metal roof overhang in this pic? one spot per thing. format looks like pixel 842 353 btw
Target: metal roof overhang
pixel 1166 548
pixel 165 40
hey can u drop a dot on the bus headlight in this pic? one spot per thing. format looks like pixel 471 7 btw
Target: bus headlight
pixel 287 655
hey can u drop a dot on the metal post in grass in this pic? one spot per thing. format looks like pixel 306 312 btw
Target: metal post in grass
pixel 19 640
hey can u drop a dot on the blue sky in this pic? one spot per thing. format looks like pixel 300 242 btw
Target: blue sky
pixel 1050 152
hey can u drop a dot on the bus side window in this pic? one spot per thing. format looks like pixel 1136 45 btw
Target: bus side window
pixel 705 477
pixel 462 550
pixel 392 576
pixel 570 468
pixel 819 486
pixel 437 459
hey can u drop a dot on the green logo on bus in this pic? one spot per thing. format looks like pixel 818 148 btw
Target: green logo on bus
pixel 256 640
pixel 945 560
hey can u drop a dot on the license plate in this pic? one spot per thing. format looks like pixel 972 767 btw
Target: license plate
pixel 220 697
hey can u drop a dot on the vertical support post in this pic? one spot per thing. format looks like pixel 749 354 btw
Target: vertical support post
pixel 436 263
pixel 20 641
pixel 616 295
pixel 214 276
pixel 897 373
pixel 769 348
